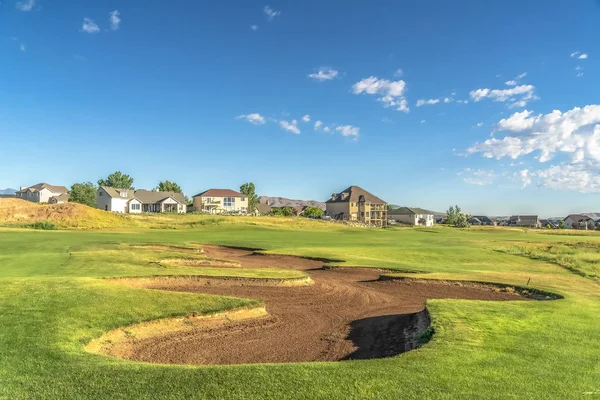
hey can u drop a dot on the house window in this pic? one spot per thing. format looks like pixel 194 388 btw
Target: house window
pixel 243 199
pixel 135 206
pixel 229 203
pixel 100 194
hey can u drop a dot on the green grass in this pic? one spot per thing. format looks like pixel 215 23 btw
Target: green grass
pixel 53 302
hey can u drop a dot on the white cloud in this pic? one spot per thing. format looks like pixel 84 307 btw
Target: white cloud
pixel 324 74
pixel 579 74
pixel 326 129
pixel 575 132
pixel 424 102
pixel 254 27
pixel 574 54
pixel 583 56
pixel 306 118
pixel 518 95
pixel 114 19
pixel 399 73
pixel 26 5
pixel 423 121
pixel 512 82
pixel 290 126
pixel 318 124
pixel 448 99
pixel 90 26
pixel 392 92
pixel 479 124
pixel 478 176
pixel 253 118
pixel 348 130
pixel 271 13
pixel 463 101
pixel 521 76
pixel 22 47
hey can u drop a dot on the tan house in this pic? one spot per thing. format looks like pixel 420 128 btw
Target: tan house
pixel 40 193
pixel 219 201
pixel 356 204
pixel 63 198
pixel 412 216
pixel 138 201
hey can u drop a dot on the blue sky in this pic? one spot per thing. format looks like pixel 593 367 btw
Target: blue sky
pixel 424 103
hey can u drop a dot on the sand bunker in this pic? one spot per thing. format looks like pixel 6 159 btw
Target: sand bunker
pixel 347 313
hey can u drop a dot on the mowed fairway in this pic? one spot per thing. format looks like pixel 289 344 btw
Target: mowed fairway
pixel 54 301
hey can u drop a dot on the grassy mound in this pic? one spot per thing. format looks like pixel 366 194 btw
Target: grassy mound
pixel 17 212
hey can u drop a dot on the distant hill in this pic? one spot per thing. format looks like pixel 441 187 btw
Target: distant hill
pixel 283 202
pixel 8 191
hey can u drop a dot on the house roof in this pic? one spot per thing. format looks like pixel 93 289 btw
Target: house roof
pixel 62 197
pixel 150 197
pixel 40 186
pixel 483 218
pixel 263 208
pixel 546 222
pixel 220 193
pixel 409 211
pixel 577 217
pixel 116 192
pixel 354 194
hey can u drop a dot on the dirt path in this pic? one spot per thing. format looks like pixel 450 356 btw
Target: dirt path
pixel 345 314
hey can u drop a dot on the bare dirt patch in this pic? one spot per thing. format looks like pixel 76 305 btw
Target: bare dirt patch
pixel 348 313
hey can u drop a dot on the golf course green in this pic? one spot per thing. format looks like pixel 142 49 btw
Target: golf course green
pixel 54 301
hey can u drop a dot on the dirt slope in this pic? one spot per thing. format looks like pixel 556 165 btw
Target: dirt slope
pixel 68 215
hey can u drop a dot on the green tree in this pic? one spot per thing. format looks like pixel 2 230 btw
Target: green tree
pixel 314 212
pixel 250 191
pixel 287 211
pixel 83 193
pixel 456 218
pixel 117 180
pixel 276 211
pixel 168 186
pixel 561 225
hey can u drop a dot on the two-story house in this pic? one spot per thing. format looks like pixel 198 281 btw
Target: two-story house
pixel 219 201
pixel 356 204
pixel 41 193
pixel 412 215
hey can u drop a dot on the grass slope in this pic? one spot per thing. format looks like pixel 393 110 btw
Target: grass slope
pixel 53 303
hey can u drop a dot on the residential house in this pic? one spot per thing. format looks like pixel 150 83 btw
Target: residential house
pixel 356 204
pixel 579 221
pixel 138 201
pixel 219 201
pixel 412 215
pixel 262 209
pixel 546 223
pixel 527 221
pixel 60 199
pixel 481 220
pixel 40 193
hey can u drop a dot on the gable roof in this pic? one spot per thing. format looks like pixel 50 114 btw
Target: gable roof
pixel 483 218
pixel 220 193
pixel 150 197
pixel 61 197
pixel 116 192
pixel 40 186
pixel 409 211
pixel 577 217
pixel 263 208
pixel 354 194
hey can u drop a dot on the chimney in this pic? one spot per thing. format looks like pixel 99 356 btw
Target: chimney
pixel 333 195
pixel 23 188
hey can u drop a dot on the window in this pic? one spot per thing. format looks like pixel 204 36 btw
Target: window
pixel 100 194
pixel 229 203
pixel 243 199
pixel 135 206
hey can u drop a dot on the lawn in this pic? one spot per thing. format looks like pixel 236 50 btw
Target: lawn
pixel 54 301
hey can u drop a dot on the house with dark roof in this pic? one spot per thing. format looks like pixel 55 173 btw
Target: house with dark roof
pixel 526 221
pixel 481 220
pixel 579 221
pixel 138 201
pixel 549 224
pixel 40 193
pixel 60 199
pixel 356 204
pixel 263 209
pixel 412 215
pixel 219 201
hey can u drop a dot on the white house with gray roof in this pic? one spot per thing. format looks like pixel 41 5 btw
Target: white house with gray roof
pixel 40 193
pixel 137 201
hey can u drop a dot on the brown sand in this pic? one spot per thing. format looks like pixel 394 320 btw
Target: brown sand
pixel 346 314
